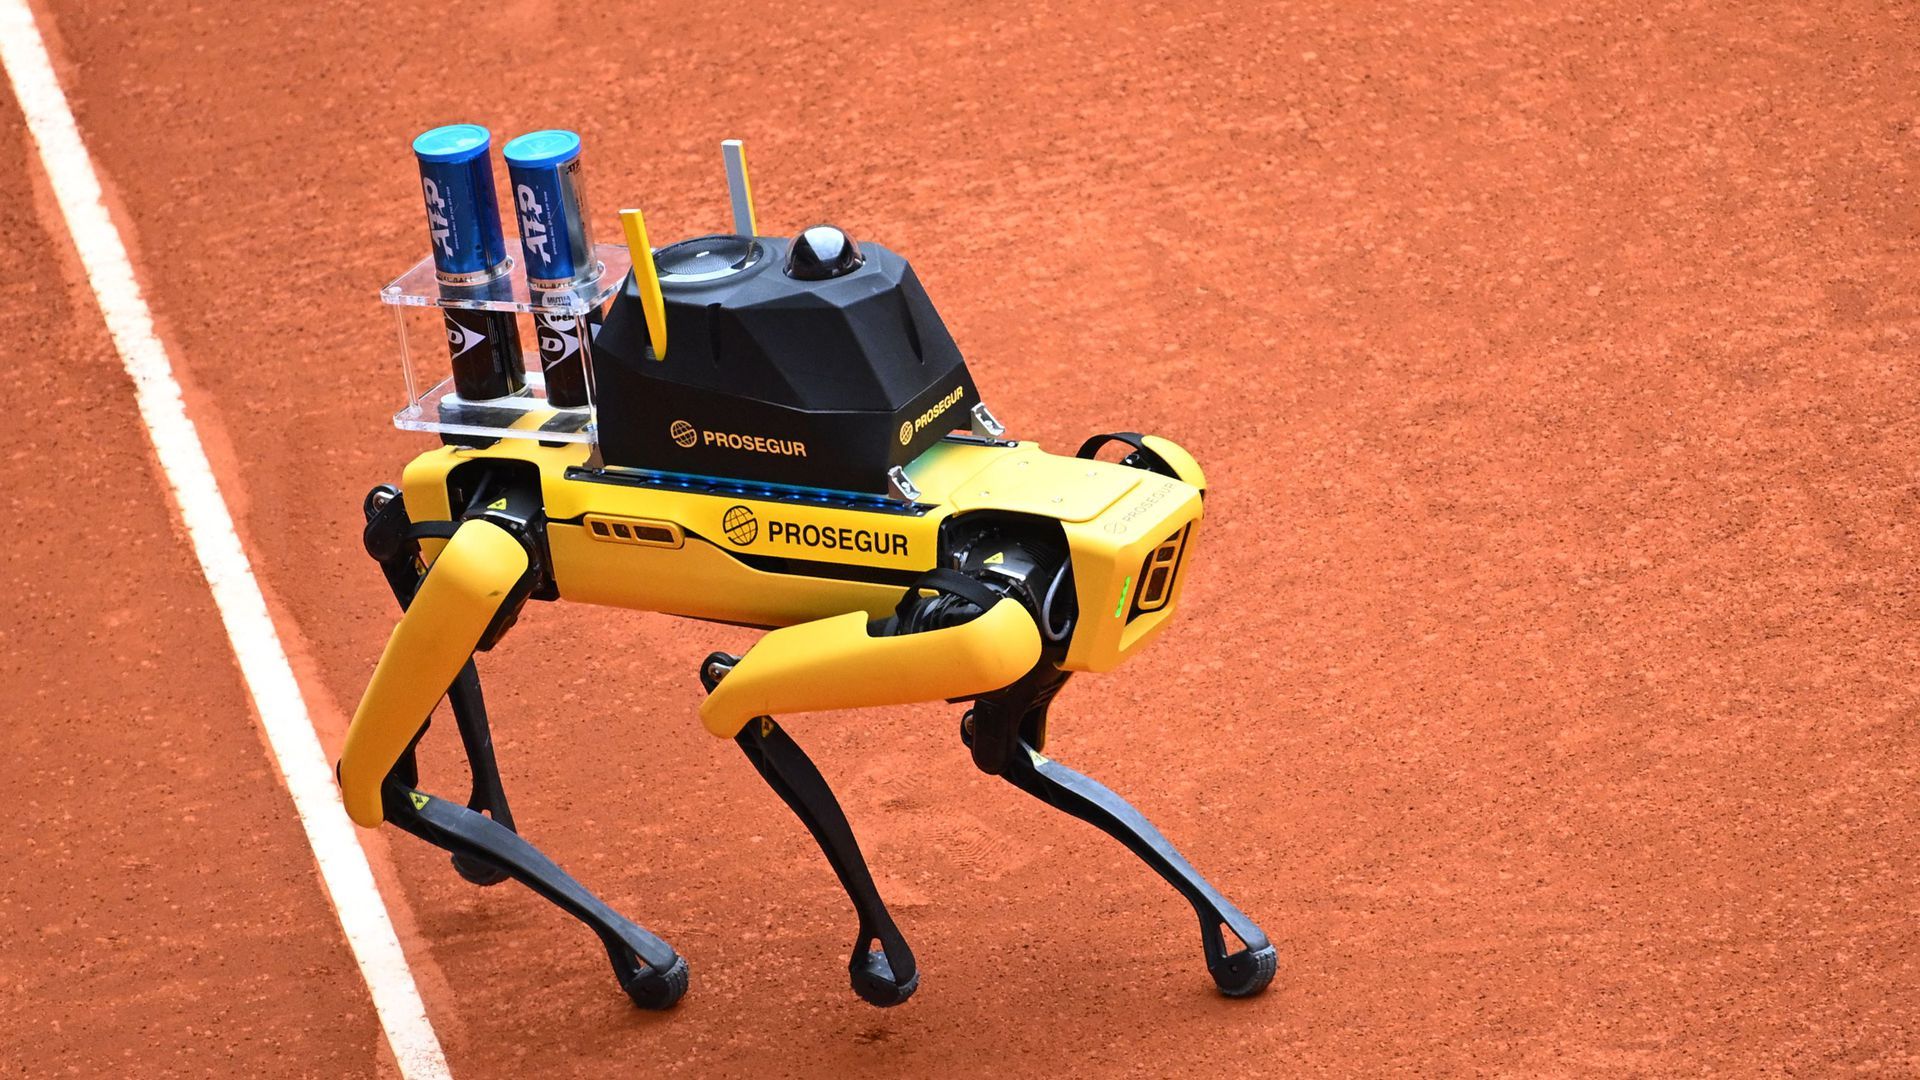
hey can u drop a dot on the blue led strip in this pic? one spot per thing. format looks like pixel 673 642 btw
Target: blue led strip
pixel 765 492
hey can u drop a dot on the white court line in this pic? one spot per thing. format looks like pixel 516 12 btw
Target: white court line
pixel 263 663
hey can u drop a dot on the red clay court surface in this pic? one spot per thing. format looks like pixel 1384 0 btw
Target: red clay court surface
pixel 1546 684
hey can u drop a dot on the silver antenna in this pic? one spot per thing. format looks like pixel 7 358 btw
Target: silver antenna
pixel 739 192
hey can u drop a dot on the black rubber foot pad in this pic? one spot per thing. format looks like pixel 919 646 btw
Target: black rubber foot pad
pixel 1246 973
pixel 659 989
pixel 875 984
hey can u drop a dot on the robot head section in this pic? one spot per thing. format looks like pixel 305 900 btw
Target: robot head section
pixel 816 362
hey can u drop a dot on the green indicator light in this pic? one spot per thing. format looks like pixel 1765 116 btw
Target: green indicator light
pixel 1125 588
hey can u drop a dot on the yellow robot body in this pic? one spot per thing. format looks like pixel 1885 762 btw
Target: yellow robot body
pixel 765 557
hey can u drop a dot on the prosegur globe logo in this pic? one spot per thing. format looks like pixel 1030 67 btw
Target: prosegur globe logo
pixel 683 433
pixel 740 525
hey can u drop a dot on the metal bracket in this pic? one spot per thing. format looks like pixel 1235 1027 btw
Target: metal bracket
pixel 903 488
pixel 983 424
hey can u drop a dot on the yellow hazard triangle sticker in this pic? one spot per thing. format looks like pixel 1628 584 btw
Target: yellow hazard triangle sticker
pixel 498 504
pixel 996 558
pixel 419 801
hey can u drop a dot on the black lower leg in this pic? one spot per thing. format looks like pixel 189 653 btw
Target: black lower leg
pixel 883 977
pixel 488 796
pixel 1239 974
pixel 651 973
pixel 1003 729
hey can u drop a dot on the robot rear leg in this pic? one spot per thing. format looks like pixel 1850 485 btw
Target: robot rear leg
pixel 461 603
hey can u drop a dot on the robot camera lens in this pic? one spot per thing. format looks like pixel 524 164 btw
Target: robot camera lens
pixel 823 252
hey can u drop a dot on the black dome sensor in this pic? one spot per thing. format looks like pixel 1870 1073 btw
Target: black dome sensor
pixel 822 252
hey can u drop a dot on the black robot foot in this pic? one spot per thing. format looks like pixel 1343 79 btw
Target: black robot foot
pixel 657 990
pixel 873 980
pixel 1246 972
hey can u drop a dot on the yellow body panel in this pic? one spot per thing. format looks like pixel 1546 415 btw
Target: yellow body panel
pixel 462 592
pixel 834 664
pixel 1108 554
pixel 772 528
pixel 700 581
pixel 801 561
pixel 1067 489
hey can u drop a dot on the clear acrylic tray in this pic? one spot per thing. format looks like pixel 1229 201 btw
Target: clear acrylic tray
pixel 523 416
pixel 431 403
pixel 420 287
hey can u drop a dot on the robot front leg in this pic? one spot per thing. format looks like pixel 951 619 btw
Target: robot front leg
pixel 1242 973
pixel 883 976
pixel 487 795
pixel 1004 730
pixel 838 663
pixel 463 600
pixel 394 542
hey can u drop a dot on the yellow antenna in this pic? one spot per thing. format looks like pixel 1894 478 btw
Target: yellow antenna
pixel 739 192
pixel 647 276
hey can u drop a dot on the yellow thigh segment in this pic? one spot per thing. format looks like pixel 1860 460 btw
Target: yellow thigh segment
pixel 462 592
pixel 833 664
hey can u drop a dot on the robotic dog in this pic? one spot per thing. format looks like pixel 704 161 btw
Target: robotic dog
pixel 792 463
